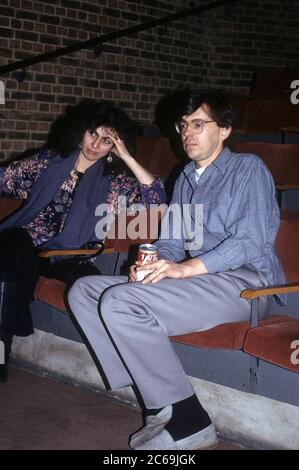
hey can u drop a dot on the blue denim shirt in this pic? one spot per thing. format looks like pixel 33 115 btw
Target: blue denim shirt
pixel 240 216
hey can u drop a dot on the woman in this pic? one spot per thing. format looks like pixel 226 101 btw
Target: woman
pixel 87 161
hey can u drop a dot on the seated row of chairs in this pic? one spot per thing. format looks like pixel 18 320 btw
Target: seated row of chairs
pixel 255 352
pixel 267 115
pixel 266 343
pixel 281 159
pixel 165 159
pixel 271 105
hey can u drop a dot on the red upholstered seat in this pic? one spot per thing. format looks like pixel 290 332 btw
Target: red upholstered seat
pixel 272 343
pixel 50 291
pixel 225 336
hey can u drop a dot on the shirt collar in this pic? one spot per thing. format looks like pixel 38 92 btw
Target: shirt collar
pixel 220 162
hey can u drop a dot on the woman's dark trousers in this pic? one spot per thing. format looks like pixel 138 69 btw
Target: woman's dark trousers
pixel 18 276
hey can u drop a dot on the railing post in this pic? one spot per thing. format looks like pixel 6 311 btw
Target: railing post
pixel 2 352
pixel 2 92
pixel 254 319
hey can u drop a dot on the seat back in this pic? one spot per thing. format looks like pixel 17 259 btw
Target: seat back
pixel 144 150
pixel 131 230
pixel 157 155
pixel 269 115
pixel 287 244
pixel 274 83
pixel 281 159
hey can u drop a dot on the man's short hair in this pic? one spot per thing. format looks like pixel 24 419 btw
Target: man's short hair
pixel 217 105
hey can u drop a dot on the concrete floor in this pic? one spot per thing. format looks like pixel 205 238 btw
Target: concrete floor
pixel 41 413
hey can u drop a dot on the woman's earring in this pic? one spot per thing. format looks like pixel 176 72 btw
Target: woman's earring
pixel 109 157
pixel 79 146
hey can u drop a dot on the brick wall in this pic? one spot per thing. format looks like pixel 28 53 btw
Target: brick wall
pixel 220 48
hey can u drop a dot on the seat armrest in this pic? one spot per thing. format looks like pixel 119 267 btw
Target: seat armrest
pixel 49 253
pixel 284 187
pixel 272 290
pixel 254 294
pixel 79 252
pixel 118 239
pixel 289 129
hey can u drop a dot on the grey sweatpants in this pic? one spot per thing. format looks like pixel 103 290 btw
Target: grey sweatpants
pixel 128 324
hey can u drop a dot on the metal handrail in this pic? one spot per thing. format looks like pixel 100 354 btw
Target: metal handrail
pixel 79 45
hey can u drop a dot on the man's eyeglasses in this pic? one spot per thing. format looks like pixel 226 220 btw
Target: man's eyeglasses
pixel 196 126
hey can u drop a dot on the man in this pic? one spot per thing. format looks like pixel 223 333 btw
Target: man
pixel 193 286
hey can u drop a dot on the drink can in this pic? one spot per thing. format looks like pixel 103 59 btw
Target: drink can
pixel 147 252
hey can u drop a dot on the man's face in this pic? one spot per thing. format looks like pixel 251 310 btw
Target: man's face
pixel 202 147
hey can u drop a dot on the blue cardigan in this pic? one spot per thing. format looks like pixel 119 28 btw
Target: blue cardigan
pixel 80 224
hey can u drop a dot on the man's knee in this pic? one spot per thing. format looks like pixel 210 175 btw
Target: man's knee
pixel 109 297
pixel 76 293
pixel 87 291
pixel 119 299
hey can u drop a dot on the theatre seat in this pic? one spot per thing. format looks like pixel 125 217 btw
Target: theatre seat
pixel 227 335
pixel 271 338
pixel 281 159
pixel 50 291
pixel 272 342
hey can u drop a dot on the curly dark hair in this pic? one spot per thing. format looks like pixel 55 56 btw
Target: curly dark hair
pixel 67 131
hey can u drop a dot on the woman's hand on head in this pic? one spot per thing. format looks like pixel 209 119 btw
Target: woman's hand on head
pixel 119 148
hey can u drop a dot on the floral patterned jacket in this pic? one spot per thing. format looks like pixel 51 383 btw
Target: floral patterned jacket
pixel 18 178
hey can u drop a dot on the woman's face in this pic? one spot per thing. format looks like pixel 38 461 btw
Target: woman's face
pixel 96 144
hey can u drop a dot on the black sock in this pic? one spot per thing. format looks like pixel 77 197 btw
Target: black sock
pixel 153 411
pixel 188 417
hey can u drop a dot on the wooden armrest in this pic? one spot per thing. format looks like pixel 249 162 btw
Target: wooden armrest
pixel 278 289
pixel 79 252
pixel 119 245
pixel 282 187
pixel 49 253
pixel 289 129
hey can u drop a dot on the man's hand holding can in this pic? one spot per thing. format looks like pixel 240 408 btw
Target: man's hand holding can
pixel 147 253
